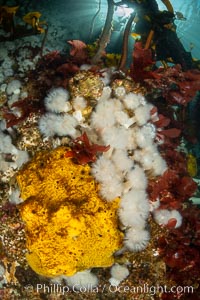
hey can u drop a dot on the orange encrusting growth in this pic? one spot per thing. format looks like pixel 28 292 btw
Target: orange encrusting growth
pixel 69 228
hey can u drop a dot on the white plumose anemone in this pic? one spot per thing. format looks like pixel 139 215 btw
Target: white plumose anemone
pixel 111 189
pixel 163 216
pixel 85 279
pixel 103 116
pixel 120 92
pixel 122 118
pixel 13 87
pixel 159 165
pixel 150 159
pixel 137 178
pixel 105 172
pixel 6 145
pixel 79 103
pixel 47 124
pixel 51 124
pixel 134 209
pixel 116 137
pixel 131 101
pixel 118 274
pixel 67 126
pixel 136 240
pixel 103 169
pixel 121 160
pixel 130 217
pixel 57 100
pixel 142 114
pixel 14 197
pixel 144 136
pixel 20 158
pixel 106 93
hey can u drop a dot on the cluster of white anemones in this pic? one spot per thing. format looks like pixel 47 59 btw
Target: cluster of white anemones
pixel 16 157
pixel 123 121
pixel 53 122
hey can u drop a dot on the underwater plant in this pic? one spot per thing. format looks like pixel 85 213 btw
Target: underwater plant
pixel 105 36
pixel 83 152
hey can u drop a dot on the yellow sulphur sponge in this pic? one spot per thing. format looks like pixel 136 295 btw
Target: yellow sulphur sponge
pixel 69 228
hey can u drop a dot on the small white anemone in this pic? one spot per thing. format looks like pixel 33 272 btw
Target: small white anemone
pixel 14 196
pixel 136 240
pixel 134 209
pixel 103 169
pixel 120 92
pixel 111 189
pixel 118 274
pixel 121 160
pixel 159 165
pixel 106 93
pixel 51 124
pixel 137 178
pixel 79 103
pixel 85 279
pixel 131 101
pixel 6 145
pixel 122 118
pixel 57 100
pixel 142 114
pixel 13 87
pixel 103 116
pixel 115 137
pixel 163 216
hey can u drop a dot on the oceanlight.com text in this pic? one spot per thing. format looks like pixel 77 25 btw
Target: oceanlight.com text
pixel 142 289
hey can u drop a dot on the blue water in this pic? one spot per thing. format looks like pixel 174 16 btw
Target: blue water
pixel 72 19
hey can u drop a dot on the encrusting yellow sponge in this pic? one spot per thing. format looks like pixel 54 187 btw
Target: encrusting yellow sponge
pixel 69 228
